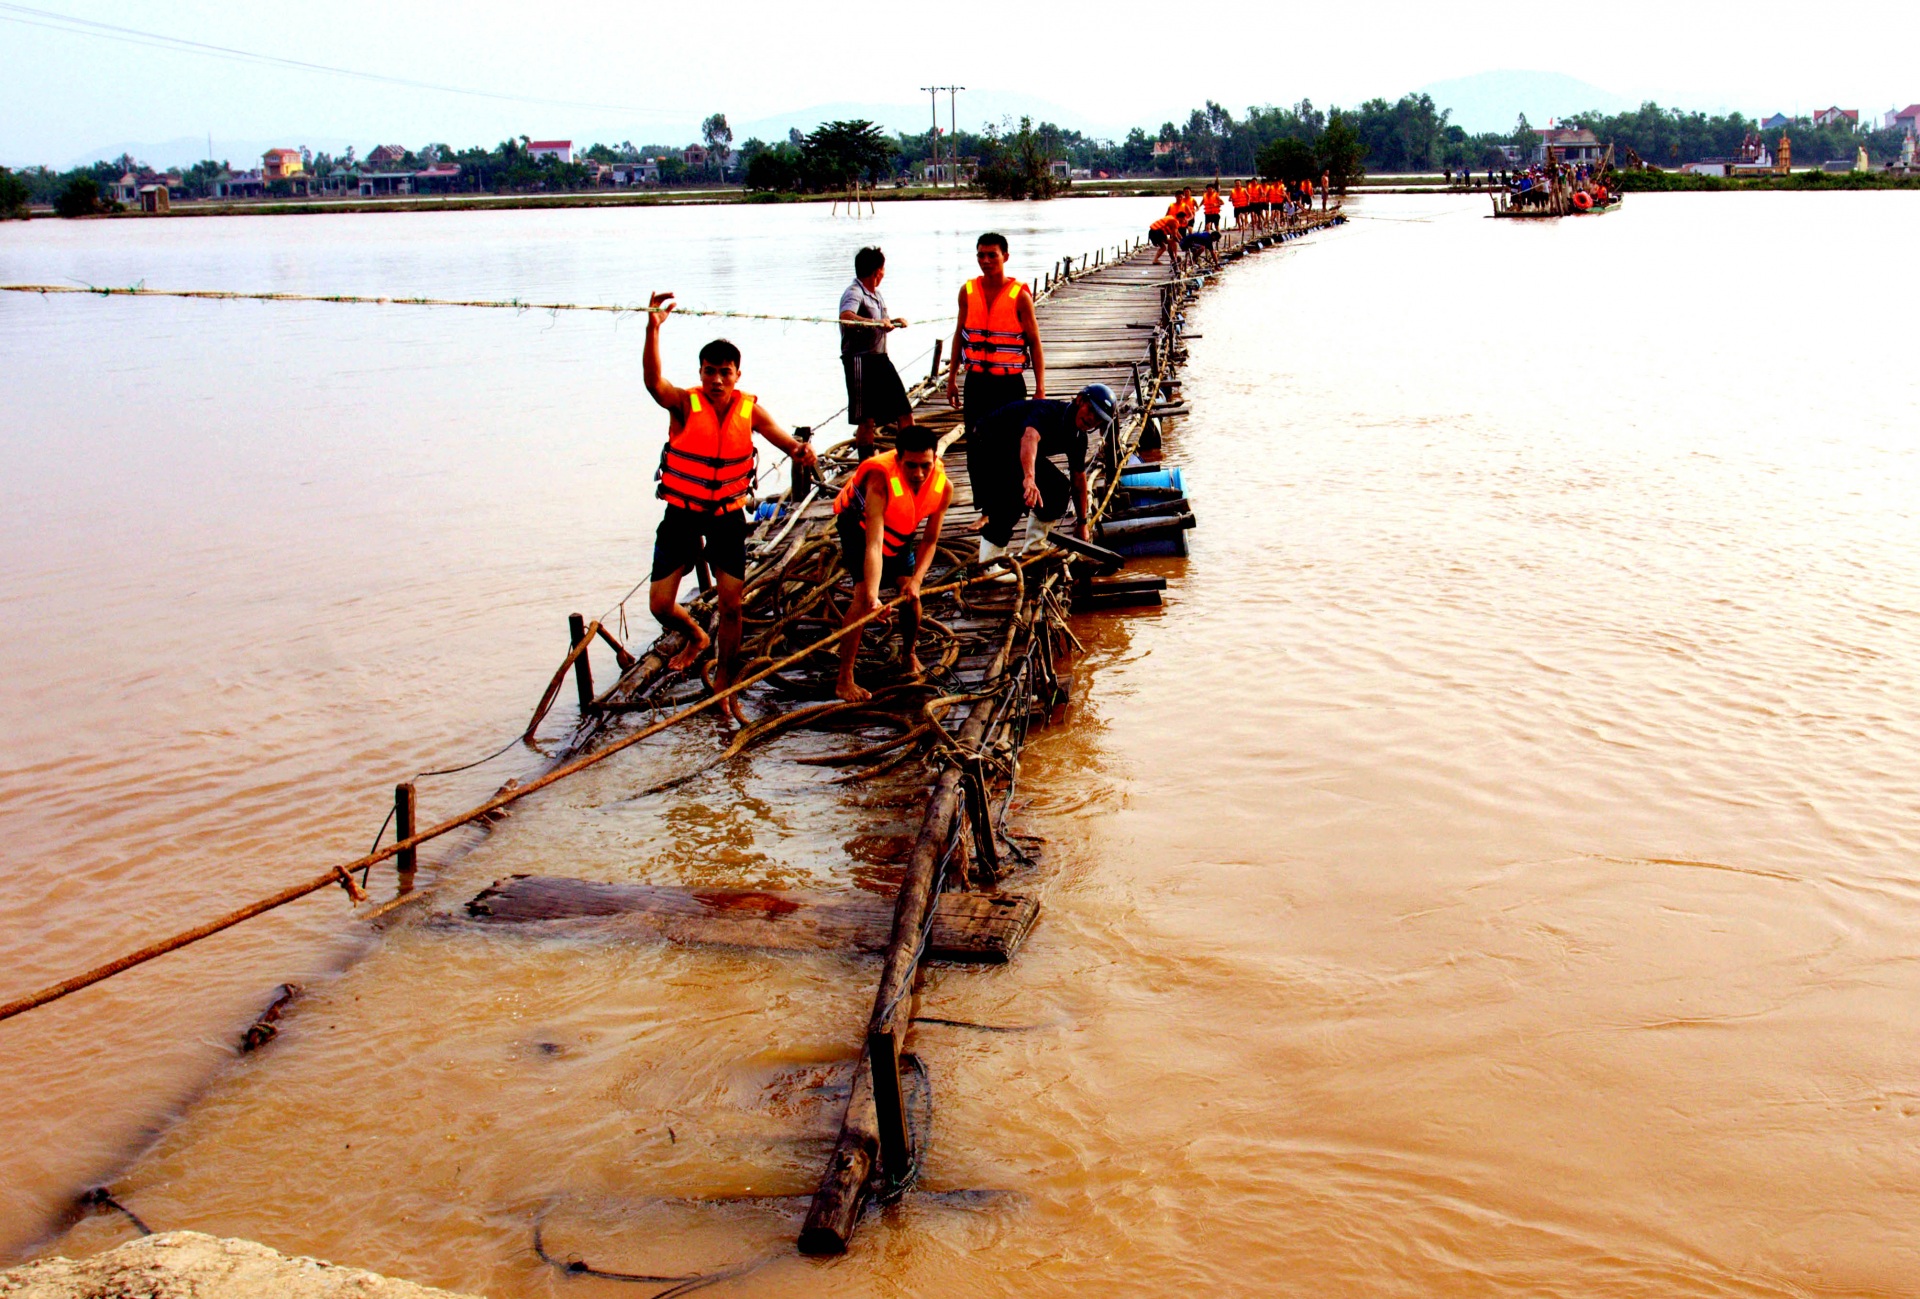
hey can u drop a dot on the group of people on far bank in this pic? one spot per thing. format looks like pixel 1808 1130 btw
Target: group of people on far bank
pixel 889 512
pixel 1190 230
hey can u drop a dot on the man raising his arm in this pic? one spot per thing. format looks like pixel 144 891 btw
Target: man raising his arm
pixel 706 478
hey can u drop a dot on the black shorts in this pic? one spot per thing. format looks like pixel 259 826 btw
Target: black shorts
pixel 685 535
pixel 851 525
pixel 874 390
pixel 1213 220
pixel 1157 237
pixel 986 393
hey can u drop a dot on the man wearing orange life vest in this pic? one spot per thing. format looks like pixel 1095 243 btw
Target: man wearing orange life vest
pixel 1210 205
pixel 888 499
pixel 996 339
pixel 1241 203
pixel 1164 235
pixel 706 477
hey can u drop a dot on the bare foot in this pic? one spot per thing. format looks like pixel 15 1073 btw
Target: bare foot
pixel 852 693
pixel 978 525
pixel 695 648
pixel 730 708
pixel 914 670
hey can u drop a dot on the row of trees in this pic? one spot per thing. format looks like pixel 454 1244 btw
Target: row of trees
pixel 833 156
pixel 1667 137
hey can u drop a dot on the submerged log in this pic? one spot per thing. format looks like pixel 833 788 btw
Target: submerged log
pixel 978 928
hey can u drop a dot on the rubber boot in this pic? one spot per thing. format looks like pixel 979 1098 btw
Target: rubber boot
pixel 990 552
pixel 1038 530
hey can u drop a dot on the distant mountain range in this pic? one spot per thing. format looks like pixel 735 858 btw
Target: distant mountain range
pixel 1490 101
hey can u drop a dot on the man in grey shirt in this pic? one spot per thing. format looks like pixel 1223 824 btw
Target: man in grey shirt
pixel 875 395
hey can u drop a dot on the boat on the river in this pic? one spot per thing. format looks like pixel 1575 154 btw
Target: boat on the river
pixel 1561 191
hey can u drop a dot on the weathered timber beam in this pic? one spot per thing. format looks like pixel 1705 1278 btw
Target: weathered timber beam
pixel 842 1194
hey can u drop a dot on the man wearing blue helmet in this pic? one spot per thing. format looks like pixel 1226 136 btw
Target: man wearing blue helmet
pixel 1018 443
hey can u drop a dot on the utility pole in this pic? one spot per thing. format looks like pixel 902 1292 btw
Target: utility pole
pixel 953 130
pixel 933 98
pixel 933 135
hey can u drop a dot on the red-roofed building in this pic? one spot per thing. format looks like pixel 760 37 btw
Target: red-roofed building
pixel 561 149
pixel 1907 119
pixel 1837 117
pixel 281 164
pixel 385 156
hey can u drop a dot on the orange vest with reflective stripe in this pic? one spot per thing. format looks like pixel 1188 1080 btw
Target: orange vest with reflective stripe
pixel 906 509
pixel 992 338
pixel 707 463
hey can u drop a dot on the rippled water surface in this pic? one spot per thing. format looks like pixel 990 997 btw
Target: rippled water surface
pixel 1493 872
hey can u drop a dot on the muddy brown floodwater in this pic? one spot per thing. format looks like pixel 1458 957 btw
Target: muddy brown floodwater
pixel 1493 871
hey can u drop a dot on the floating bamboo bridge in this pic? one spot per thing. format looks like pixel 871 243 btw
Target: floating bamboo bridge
pixel 997 650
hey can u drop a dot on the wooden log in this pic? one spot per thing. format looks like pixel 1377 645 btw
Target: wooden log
pixel 407 859
pixel 1142 529
pixel 266 1025
pixel 971 928
pixel 582 666
pixel 842 1193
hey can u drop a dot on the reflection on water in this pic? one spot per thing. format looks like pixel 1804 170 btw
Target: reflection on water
pixel 1491 873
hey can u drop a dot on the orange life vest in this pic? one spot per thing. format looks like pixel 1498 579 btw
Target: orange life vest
pixel 707 463
pixel 1239 195
pixel 1211 203
pixel 1167 225
pixel 992 338
pixel 906 509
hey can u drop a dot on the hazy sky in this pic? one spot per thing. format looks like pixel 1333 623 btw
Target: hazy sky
pixel 651 65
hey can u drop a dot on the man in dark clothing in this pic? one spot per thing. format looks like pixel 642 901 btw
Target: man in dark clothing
pixel 1017 446
pixel 875 395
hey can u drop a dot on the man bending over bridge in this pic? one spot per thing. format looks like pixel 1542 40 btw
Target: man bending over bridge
pixel 889 498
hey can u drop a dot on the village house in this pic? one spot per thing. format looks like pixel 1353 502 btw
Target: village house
pixel 440 178
pixel 644 172
pixel 1778 122
pixel 241 184
pixel 288 165
pixel 1844 117
pixel 386 157
pixel 1571 144
pixel 947 171
pixel 561 149
pixel 281 164
pixel 694 155
pixel 1907 119
pixel 127 189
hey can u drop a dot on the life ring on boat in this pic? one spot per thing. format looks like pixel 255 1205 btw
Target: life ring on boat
pixel 1582 199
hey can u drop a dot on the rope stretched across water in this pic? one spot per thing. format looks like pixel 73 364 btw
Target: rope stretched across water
pixel 353 299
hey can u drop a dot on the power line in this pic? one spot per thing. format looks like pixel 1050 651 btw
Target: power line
pixel 28 16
